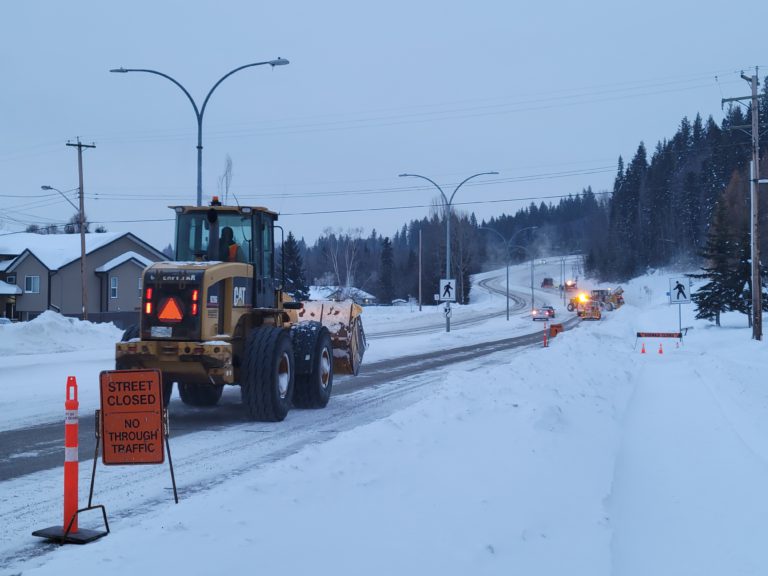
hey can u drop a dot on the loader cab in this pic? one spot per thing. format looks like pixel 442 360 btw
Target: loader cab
pixel 231 234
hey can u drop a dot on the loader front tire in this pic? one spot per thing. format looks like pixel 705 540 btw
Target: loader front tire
pixel 201 395
pixel 267 374
pixel 313 390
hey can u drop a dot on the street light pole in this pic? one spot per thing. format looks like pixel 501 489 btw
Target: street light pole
pixel 447 203
pixel 199 112
pixel 530 255
pixel 81 212
pixel 507 242
pixel 506 246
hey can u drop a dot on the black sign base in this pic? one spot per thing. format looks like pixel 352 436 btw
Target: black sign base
pixel 58 534
pixel 82 536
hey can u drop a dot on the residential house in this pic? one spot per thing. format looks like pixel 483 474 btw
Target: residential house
pixel 41 272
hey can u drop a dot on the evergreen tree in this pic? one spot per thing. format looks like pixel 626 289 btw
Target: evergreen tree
pixel 295 281
pixel 386 280
pixel 715 296
pixel 740 295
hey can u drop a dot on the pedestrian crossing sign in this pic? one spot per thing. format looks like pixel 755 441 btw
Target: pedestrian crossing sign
pixel 448 290
pixel 679 290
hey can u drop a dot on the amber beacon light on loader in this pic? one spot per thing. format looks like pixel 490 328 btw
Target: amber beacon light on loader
pixel 218 315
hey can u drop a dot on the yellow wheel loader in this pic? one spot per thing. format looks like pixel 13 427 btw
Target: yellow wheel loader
pixel 217 315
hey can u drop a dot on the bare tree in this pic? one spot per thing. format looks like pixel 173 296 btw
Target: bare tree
pixel 225 180
pixel 341 251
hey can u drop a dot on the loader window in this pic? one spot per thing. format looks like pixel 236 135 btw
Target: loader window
pixel 193 233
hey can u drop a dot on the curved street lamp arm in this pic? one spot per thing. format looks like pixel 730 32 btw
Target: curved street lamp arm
pixel 188 95
pixel 499 234
pixel 272 63
pixel 466 179
pixel 527 251
pixel 447 203
pixel 522 230
pixel 62 195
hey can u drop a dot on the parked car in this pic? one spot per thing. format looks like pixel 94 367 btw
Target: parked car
pixel 4 320
pixel 548 283
pixel 543 313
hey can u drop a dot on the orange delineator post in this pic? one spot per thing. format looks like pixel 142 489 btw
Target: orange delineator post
pixel 71 406
pixel 69 532
pixel 545 334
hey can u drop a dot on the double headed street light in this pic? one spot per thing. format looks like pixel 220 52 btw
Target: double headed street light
pixel 199 112
pixel 509 256
pixel 447 203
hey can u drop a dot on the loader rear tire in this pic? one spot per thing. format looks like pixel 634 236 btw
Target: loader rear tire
pixel 267 374
pixel 201 395
pixel 569 307
pixel 130 333
pixel 313 390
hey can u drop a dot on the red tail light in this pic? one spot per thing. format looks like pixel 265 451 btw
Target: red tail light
pixel 195 295
pixel 148 301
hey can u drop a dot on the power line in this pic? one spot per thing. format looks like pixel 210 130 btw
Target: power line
pixel 532 102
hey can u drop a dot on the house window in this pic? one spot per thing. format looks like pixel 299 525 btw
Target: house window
pixel 11 279
pixel 32 284
pixel 113 287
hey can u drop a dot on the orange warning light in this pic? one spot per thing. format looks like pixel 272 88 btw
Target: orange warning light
pixel 170 311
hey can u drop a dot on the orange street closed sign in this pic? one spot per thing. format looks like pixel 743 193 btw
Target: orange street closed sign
pixel 132 417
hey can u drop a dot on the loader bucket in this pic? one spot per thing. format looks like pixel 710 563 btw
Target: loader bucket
pixel 343 320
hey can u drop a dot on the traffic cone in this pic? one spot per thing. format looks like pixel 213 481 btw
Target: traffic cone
pixel 642 350
pixel 661 350
pixel 69 531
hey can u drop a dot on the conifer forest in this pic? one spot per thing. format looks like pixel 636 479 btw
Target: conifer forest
pixel 683 201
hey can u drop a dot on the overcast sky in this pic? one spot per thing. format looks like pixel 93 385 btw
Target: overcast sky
pixel 547 94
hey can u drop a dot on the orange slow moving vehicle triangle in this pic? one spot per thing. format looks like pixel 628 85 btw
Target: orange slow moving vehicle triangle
pixel 170 311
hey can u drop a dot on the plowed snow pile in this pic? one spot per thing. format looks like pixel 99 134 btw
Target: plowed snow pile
pixel 52 332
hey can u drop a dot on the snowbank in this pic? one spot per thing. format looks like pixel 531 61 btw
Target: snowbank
pixel 52 332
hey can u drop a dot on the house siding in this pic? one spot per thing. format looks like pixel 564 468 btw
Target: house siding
pixel 128 295
pixel 28 304
pixel 66 284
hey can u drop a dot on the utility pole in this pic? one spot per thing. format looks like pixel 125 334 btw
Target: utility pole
pixel 80 147
pixel 757 285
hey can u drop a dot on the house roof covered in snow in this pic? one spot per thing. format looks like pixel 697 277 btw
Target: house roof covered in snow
pixel 115 262
pixel 8 289
pixel 56 250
